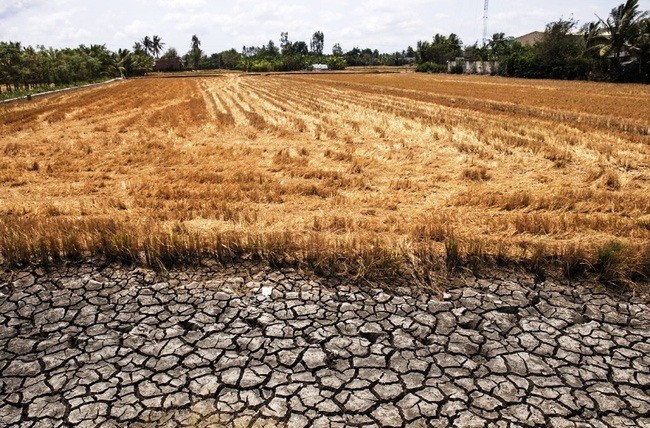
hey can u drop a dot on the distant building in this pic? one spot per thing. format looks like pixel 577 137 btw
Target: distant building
pixel 319 67
pixel 530 39
pixel 536 36
pixel 168 64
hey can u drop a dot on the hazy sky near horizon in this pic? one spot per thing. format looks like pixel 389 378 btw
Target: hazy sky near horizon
pixel 387 25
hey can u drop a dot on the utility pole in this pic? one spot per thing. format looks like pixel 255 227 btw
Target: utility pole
pixel 485 22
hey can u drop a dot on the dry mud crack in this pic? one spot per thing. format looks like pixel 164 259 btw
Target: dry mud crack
pixel 252 346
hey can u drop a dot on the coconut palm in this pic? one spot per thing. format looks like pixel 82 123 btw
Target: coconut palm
pixel 594 39
pixel 157 46
pixel 147 44
pixel 641 43
pixel 499 45
pixel 620 31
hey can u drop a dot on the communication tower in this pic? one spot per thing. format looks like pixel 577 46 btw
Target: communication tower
pixel 485 22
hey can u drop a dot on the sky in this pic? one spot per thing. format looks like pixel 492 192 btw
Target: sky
pixel 387 25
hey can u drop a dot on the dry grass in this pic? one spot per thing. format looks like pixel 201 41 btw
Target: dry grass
pixel 360 174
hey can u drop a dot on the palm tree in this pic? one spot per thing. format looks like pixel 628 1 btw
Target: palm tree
pixel 499 44
pixel 621 28
pixel 138 48
pixel 122 59
pixel 157 46
pixel 592 34
pixel 641 44
pixel 147 44
pixel 593 41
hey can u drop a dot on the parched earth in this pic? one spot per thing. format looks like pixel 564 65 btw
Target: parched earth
pixel 251 346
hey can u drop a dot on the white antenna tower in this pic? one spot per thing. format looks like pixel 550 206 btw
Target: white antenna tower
pixel 485 22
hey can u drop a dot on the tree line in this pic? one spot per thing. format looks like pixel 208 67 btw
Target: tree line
pixel 616 48
pixel 25 68
pixel 288 55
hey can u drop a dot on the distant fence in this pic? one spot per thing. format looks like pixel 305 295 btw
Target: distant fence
pixel 473 67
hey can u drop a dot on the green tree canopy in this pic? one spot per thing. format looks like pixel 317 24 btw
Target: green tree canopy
pixel 442 49
pixel 317 43
pixel 195 53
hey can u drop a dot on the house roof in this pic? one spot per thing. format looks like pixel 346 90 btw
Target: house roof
pixel 530 38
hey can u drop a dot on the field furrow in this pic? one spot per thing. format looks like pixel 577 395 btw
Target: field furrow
pixel 546 101
pixel 365 169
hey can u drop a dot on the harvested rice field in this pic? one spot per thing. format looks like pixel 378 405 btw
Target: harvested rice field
pixel 347 173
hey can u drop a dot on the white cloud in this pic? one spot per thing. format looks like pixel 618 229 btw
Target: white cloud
pixel 387 25
pixel 12 7
pixel 181 4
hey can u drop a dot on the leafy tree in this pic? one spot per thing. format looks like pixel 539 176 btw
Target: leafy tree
pixel 10 64
pixel 366 57
pixel 431 67
pixel 247 55
pixel 521 62
pixel 336 63
pixel 617 48
pixel 170 53
pixel 272 50
pixel 195 53
pixel 250 51
pixel 230 59
pixel 29 68
pixel 317 43
pixel 285 44
pixel 196 43
pixel 291 56
pixel 300 48
pixel 559 52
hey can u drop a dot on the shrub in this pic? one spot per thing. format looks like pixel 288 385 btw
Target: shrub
pixel 336 63
pixel 262 66
pixel 457 69
pixel 431 67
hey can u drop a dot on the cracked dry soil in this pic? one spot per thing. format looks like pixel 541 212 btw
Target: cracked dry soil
pixel 252 346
